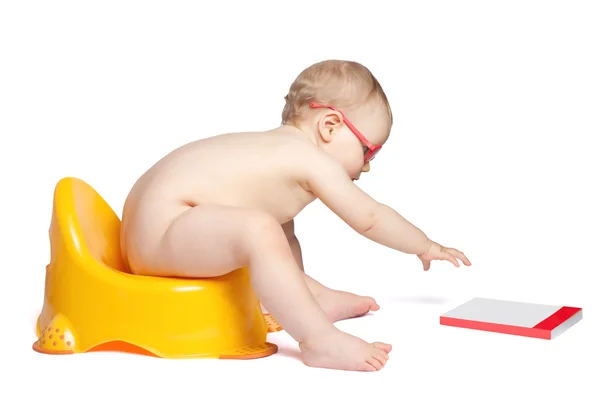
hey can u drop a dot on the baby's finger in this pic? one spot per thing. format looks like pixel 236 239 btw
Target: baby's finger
pixel 426 265
pixel 460 255
pixel 448 257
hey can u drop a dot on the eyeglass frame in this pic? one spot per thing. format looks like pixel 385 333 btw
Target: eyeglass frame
pixel 370 150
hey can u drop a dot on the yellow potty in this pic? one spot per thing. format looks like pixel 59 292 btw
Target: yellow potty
pixel 93 303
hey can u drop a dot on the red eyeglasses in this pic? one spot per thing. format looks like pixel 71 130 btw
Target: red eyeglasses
pixel 369 149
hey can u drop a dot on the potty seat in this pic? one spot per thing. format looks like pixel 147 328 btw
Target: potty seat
pixel 92 301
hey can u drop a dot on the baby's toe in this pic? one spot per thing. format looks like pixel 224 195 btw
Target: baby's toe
pixel 383 346
pixel 381 353
pixel 375 363
pixel 373 304
pixel 382 358
pixel 370 366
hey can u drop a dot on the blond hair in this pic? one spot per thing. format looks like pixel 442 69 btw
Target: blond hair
pixel 337 83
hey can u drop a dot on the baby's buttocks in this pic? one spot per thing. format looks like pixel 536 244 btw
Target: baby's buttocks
pixel 146 218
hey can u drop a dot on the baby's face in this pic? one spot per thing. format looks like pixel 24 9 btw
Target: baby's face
pixel 373 121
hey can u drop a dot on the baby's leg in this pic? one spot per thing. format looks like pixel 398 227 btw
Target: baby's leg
pixel 337 304
pixel 340 305
pixel 211 240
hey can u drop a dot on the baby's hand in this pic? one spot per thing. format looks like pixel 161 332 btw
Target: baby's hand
pixel 439 252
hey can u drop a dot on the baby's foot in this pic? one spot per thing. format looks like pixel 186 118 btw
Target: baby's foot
pixel 343 305
pixel 339 350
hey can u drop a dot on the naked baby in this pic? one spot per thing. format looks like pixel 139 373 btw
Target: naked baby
pixel 229 201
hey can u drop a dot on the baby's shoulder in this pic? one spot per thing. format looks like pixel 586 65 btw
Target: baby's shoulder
pixel 298 148
pixel 305 159
pixel 278 151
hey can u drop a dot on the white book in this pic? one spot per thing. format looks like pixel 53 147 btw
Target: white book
pixel 513 318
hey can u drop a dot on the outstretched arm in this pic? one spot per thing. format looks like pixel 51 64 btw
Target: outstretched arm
pixel 378 222
pixel 375 221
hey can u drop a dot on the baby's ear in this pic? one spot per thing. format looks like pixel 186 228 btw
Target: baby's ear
pixel 330 124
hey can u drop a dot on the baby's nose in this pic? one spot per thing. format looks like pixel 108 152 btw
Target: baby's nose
pixel 366 167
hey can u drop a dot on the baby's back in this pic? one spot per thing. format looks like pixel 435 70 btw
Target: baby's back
pixel 255 170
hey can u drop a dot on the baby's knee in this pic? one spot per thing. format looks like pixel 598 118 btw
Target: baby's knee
pixel 262 229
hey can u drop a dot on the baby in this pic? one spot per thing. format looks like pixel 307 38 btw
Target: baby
pixel 229 201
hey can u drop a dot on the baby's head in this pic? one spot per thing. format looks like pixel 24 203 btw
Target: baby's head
pixel 342 105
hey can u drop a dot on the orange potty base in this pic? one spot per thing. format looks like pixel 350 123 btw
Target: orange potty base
pixel 92 301
pixel 57 339
pixel 251 352
pixel 272 324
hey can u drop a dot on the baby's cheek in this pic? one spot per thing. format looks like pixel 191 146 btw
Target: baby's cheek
pixel 354 169
pixel 352 160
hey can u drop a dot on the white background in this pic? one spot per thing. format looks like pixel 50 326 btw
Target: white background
pixel 494 151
